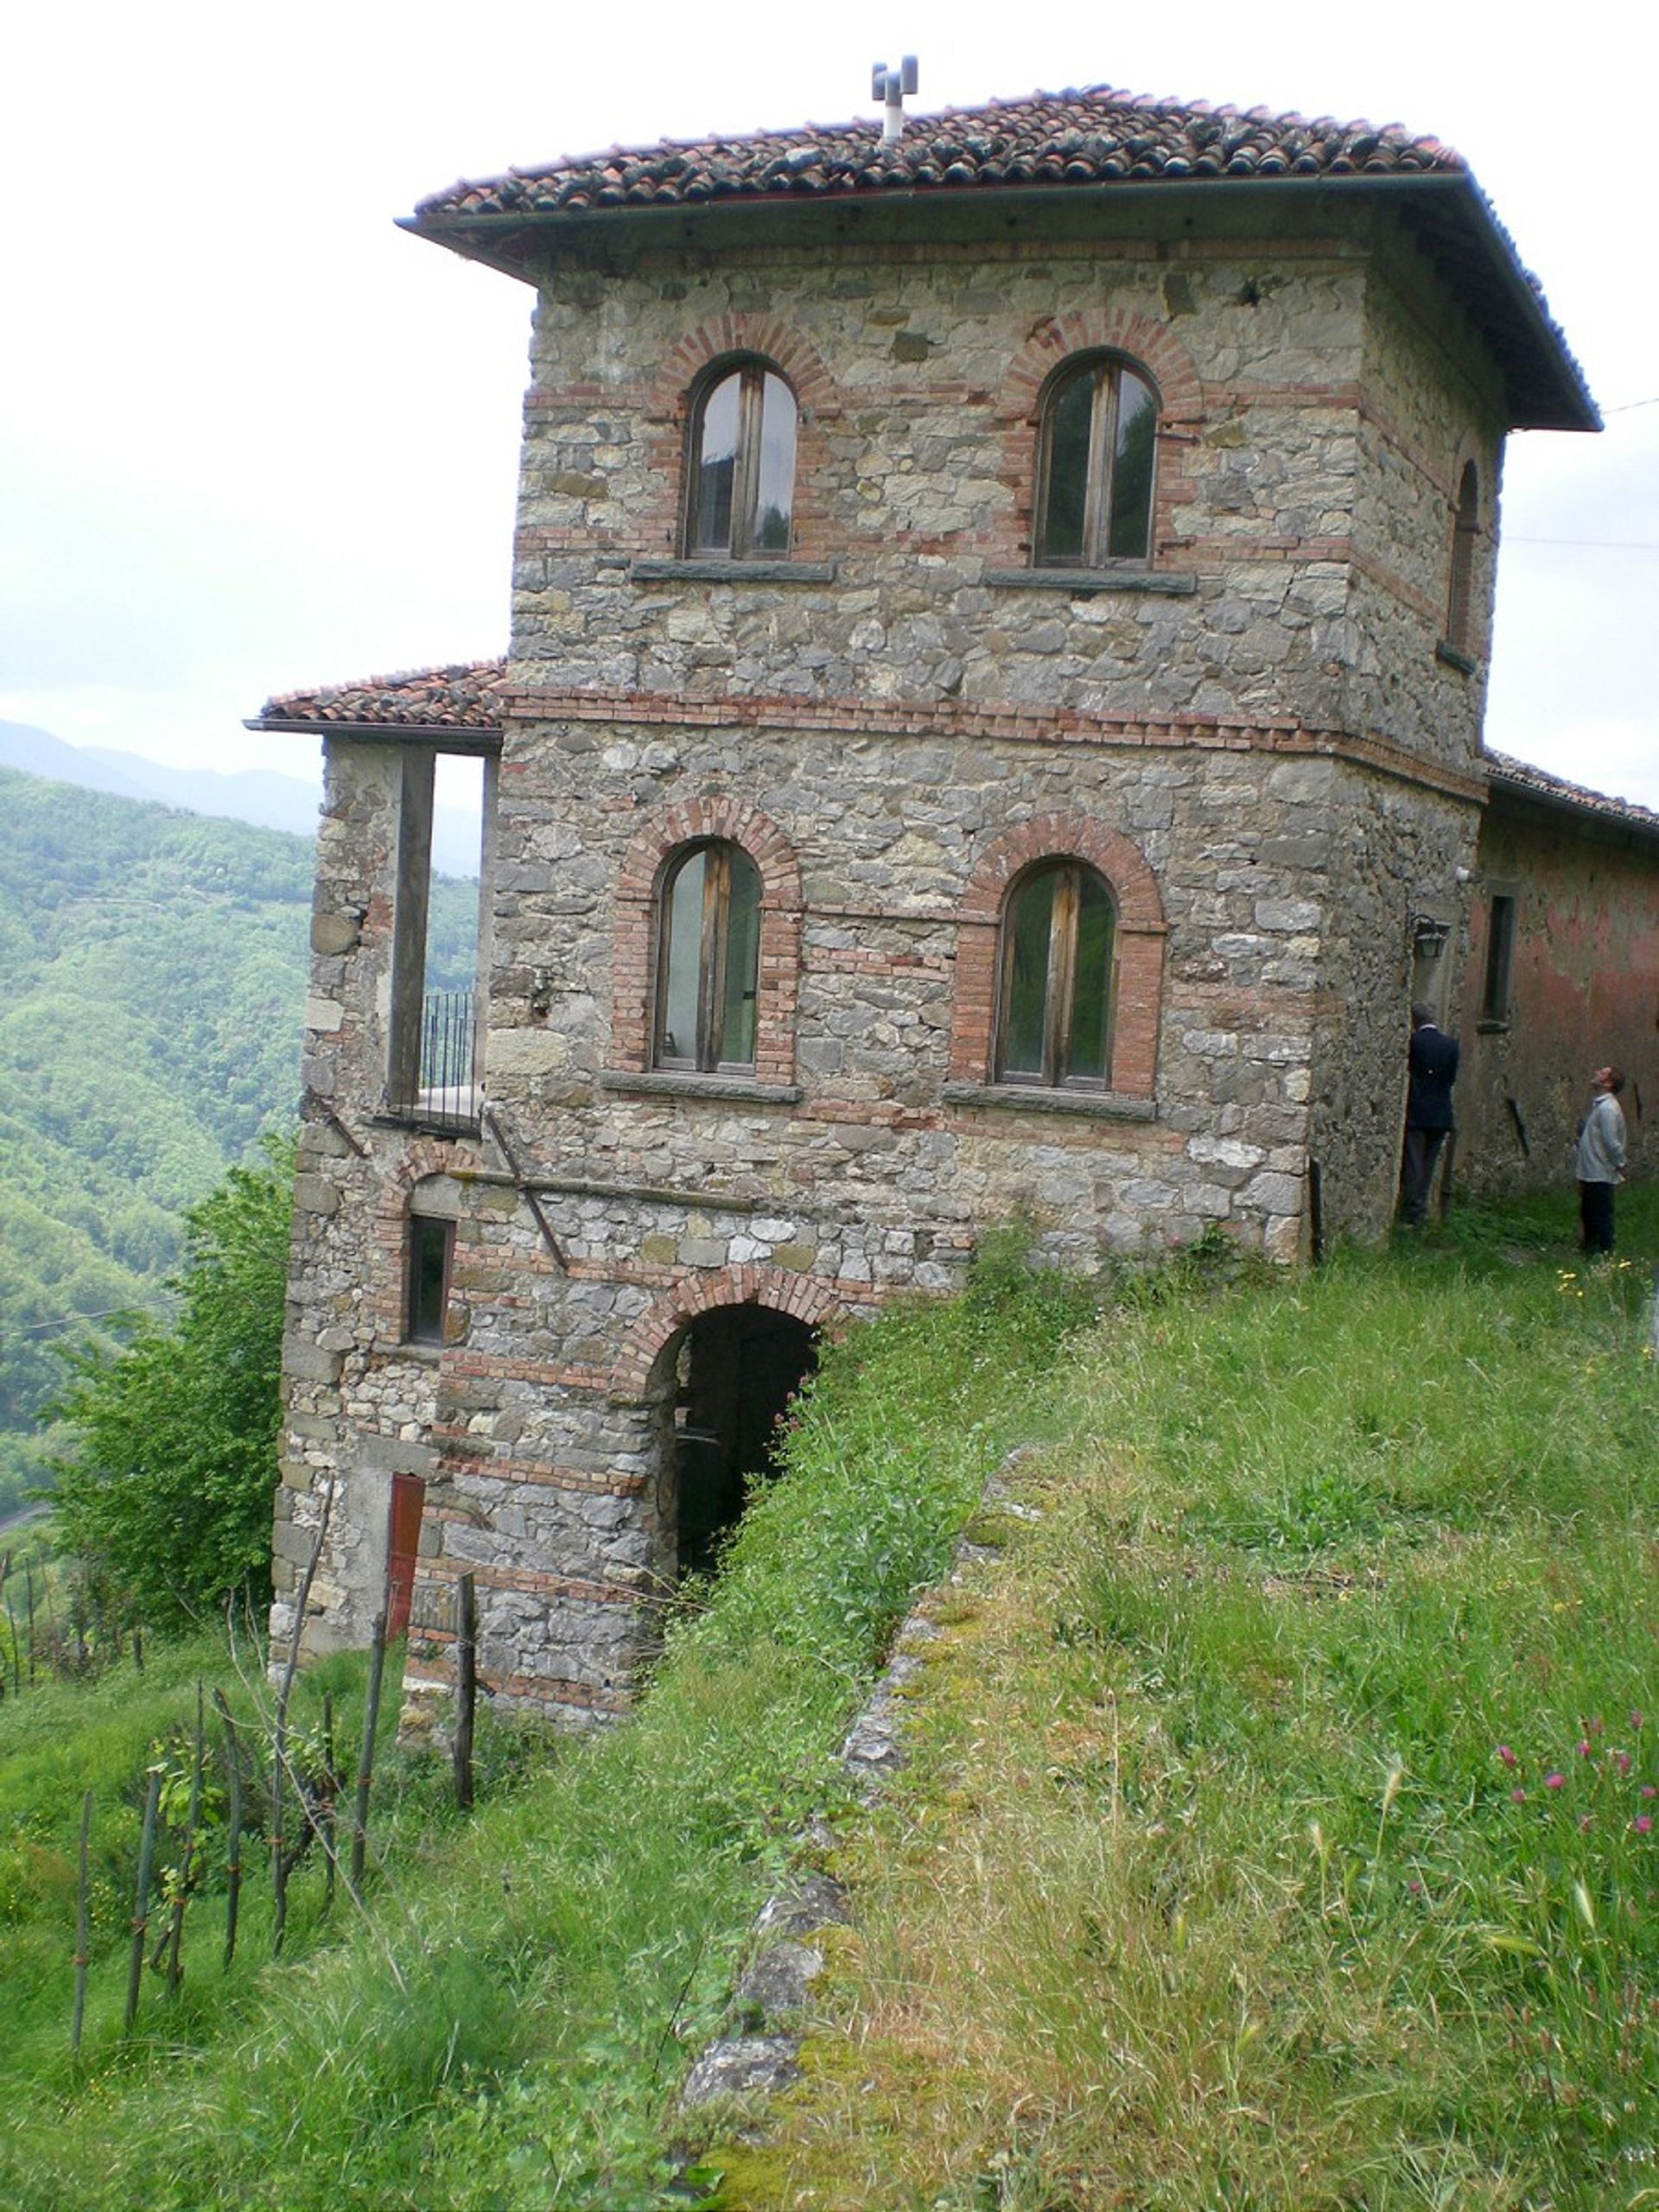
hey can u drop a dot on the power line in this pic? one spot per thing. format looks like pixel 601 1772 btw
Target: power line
pixel 75 1320
pixel 1606 545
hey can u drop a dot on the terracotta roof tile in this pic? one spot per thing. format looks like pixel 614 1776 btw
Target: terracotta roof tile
pixel 1520 776
pixel 467 696
pixel 1091 137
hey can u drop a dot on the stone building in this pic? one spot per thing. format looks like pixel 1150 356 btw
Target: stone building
pixel 993 726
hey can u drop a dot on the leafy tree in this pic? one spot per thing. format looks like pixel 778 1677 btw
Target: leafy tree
pixel 166 1493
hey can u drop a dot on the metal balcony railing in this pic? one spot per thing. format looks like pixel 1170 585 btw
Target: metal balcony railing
pixel 445 1093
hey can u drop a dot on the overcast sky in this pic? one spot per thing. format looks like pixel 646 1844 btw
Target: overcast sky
pixel 252 437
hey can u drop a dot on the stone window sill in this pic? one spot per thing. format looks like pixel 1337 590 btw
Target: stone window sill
pixel 731 572
pixel 1031 1098
pixel 1453 657
pixel 1491 1026
pixel 422 1349
pixel 1083 583
pixel 663 1083
pixel 435 1124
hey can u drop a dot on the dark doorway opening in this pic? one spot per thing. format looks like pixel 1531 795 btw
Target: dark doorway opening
pixel 738 1368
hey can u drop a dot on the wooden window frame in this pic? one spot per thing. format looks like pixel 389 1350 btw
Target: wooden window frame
pixel 753 370
pixel 1499 970
pixel 1059 987
pixel 1465 548
pixel 713 940
pixel 1107 370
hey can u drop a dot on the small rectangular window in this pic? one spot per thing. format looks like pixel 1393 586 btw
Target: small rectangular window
pixel 1500 956
pixel 431 1249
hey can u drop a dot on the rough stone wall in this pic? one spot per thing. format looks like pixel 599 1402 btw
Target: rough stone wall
pixel 890 725
pixel 919 372
pixel 1584 990
pixel 1405 854
pixel 340 1423
pixel 1427 408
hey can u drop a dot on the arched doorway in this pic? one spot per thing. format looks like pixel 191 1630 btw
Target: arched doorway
pixel 735 1369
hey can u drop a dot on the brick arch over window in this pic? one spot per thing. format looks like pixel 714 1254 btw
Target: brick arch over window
pixel 1141 931
pixel 1144 344
pixel 778 984
pixel 800 1296
pixel 682 376
pixel 426 1157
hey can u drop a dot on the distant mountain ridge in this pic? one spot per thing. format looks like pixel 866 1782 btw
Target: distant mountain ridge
pixel 258 796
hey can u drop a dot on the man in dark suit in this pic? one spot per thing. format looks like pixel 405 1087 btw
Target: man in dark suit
pixel 1432 1060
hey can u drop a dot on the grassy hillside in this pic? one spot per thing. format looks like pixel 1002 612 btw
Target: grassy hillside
pixel 152 970
pixel 1275 1834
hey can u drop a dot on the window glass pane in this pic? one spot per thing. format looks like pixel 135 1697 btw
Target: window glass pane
pixel 1070 416
pixel 1129 533
pixel 716 466
pixel 677 1035
pixel 743 960
pixel 1091 982
pixel 1029 927
pixel 429 1253
pixel 775 474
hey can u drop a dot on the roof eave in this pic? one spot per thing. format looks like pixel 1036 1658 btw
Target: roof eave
pixel 451 736
pixel 516 243
pixel 1591 811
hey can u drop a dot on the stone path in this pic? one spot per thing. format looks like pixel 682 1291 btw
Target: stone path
pixel 768 2008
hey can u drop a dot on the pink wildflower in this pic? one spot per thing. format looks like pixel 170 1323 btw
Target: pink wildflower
pixel 1554 1782
pixel 1643 1824
pixel 1507 1755
pixel 1585 1747
pixel 1519 1797
pixel 1621 1761
pixel 1648 1791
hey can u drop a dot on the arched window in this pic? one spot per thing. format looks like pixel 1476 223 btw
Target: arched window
pixel 1096 464
pixel 707 961
pixel 1465 542
pixel 1054 1005
pixel 741 472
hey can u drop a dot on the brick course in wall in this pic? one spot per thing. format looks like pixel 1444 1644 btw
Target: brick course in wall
pixel 1251 737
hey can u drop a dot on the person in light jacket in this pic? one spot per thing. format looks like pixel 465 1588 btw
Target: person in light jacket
pixel 1600 1161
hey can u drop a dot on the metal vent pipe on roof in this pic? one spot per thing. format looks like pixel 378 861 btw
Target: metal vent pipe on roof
pixel 890 86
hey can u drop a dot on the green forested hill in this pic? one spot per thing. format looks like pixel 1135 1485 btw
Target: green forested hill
pixel 152 979
pixel 151 986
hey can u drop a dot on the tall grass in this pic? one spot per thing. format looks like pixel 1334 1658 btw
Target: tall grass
pixel 1283 1830
pixel 510 2027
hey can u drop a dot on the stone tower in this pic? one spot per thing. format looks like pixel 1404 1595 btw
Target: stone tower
pixel 993 726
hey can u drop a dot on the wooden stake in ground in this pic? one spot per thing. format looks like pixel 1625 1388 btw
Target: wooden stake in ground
pixel 141 1901
pixel 233 1843
pixel 326 1807
pixel 182 1896
pixel 366 1763
pixel 280 1863
pixel 466 1688
pixel 83 1923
